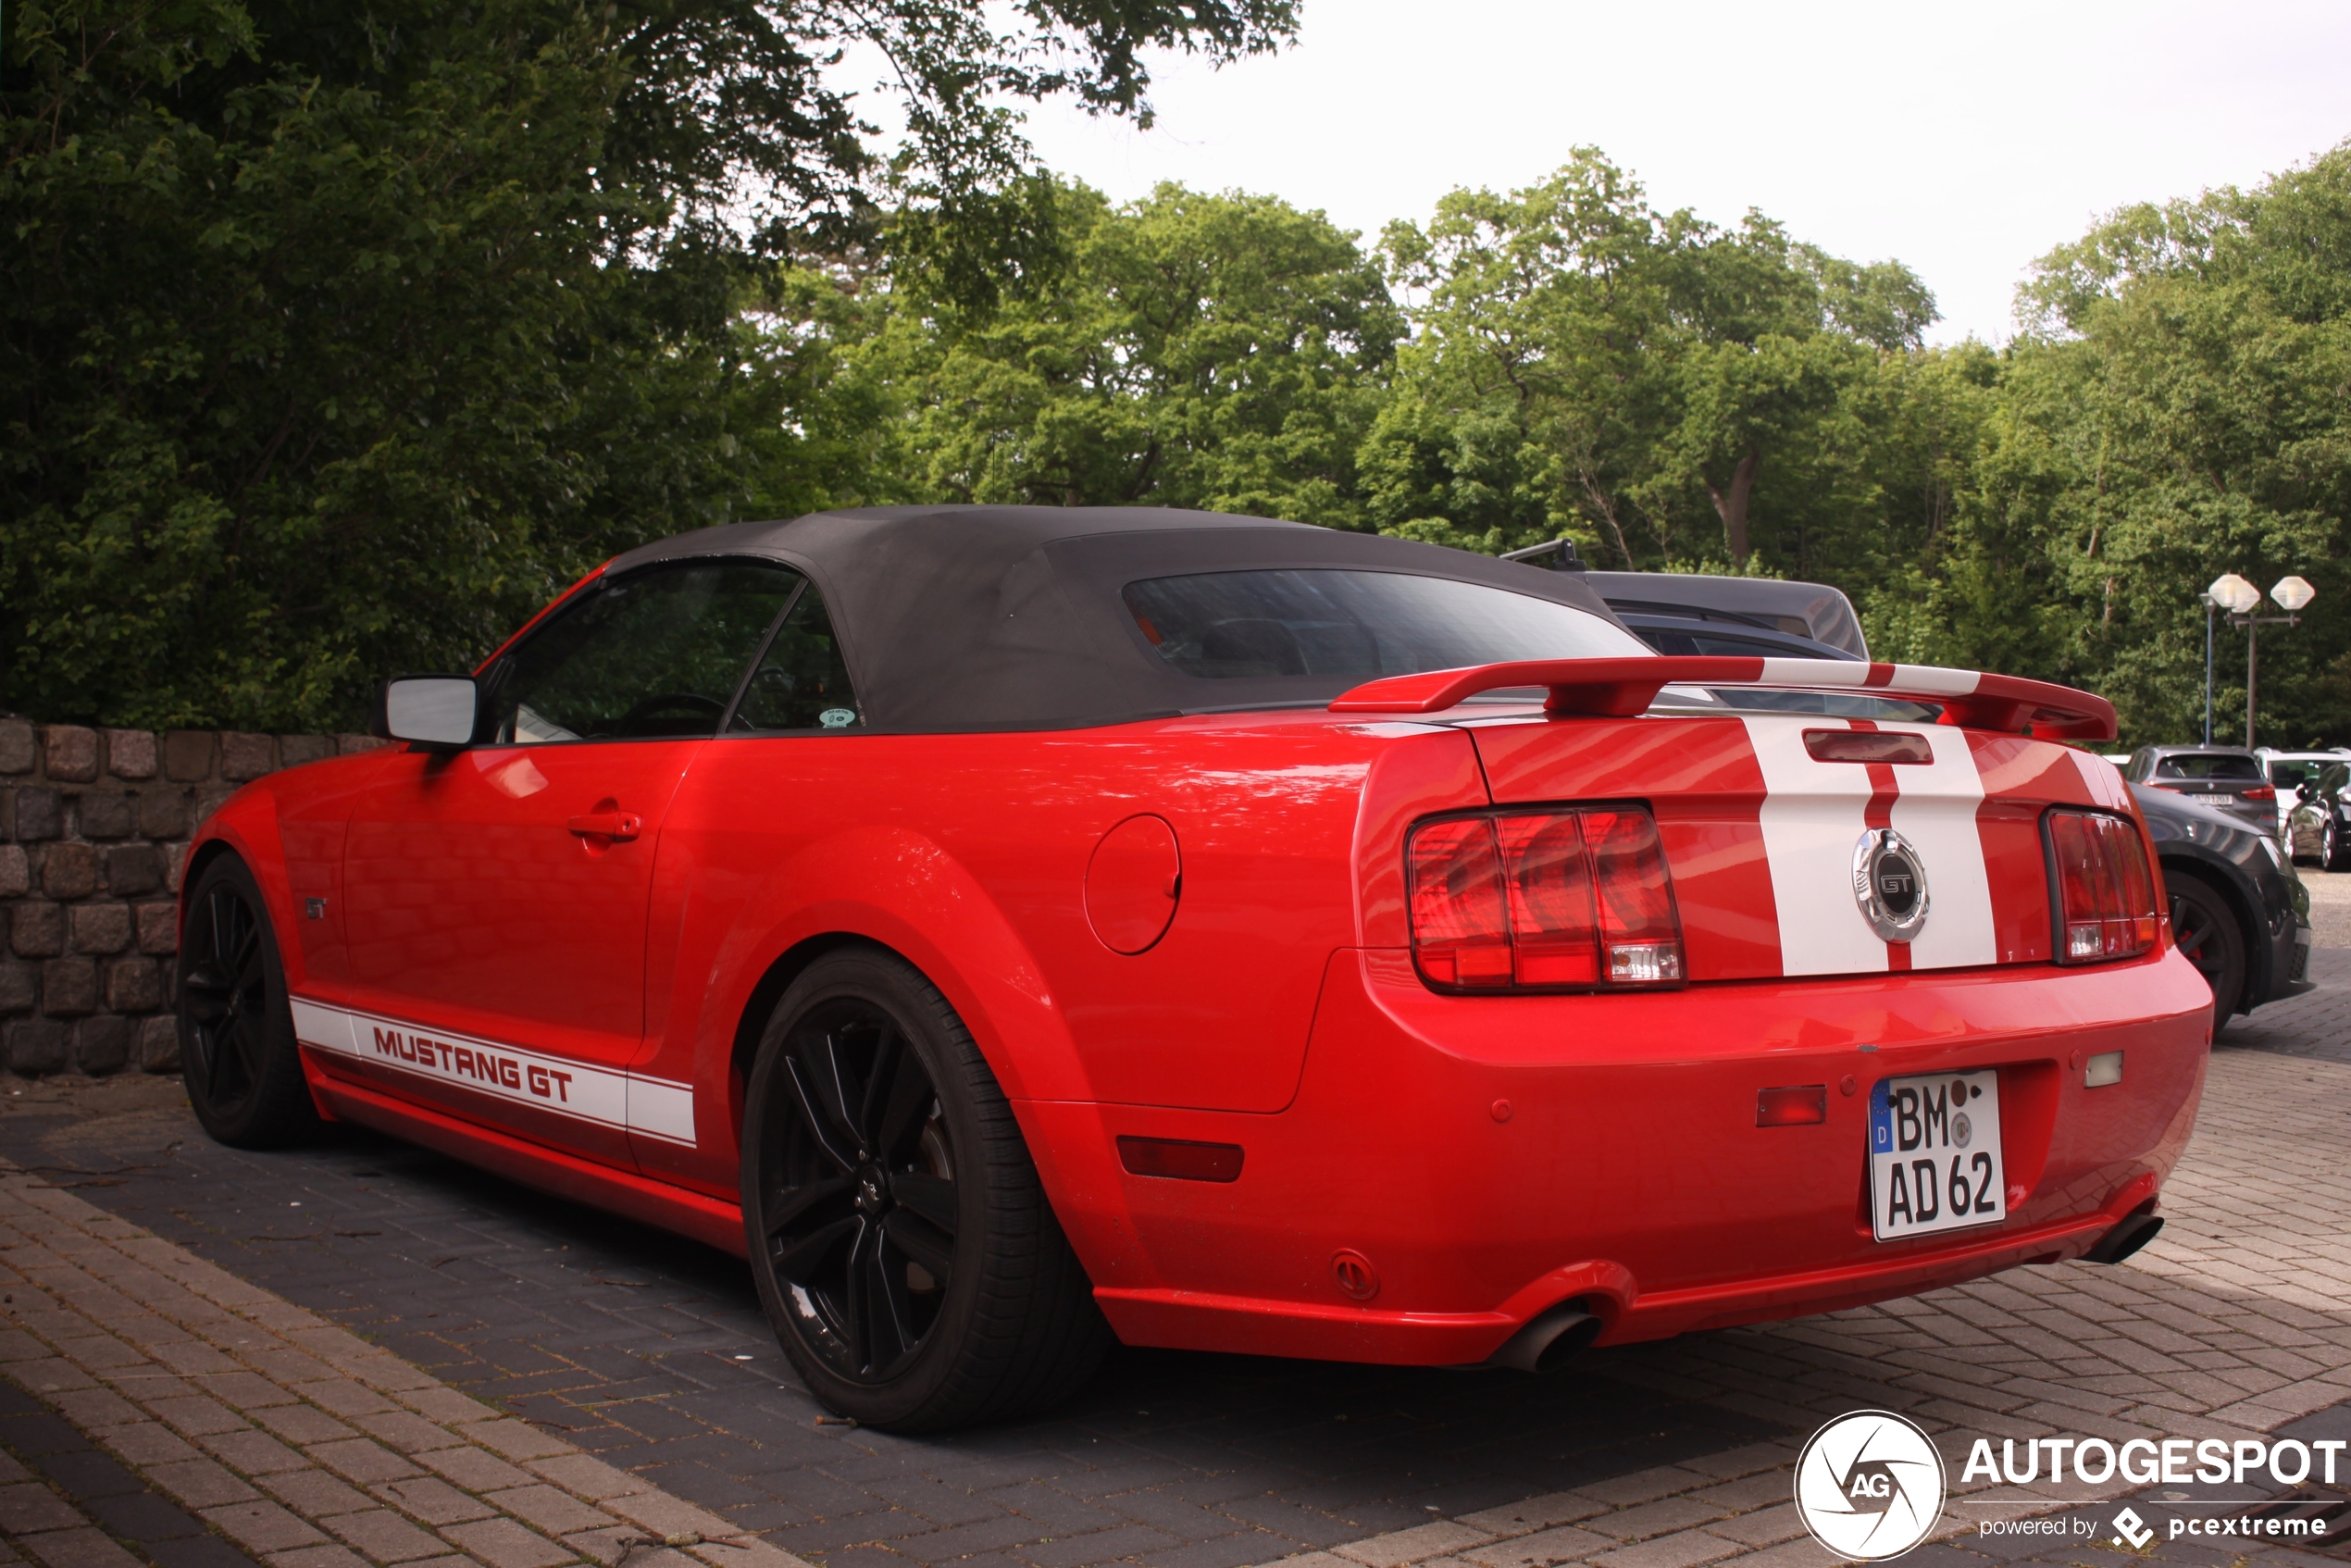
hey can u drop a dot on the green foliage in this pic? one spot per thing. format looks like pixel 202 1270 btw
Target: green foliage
pixel 334 337
pixel 1187 350
pixel 2178 412
pixel 1663 388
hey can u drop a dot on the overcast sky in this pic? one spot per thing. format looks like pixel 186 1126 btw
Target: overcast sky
pixel 1964 139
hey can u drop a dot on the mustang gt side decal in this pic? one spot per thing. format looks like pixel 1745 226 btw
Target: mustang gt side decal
pixel 648 1107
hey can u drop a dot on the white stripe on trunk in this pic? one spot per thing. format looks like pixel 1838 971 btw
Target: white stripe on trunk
pixel 1936 809
pixel 1812 816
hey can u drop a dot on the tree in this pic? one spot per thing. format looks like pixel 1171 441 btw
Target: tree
pixel 1222 352
pixel 1652 369
pixel 333 337
pixel 2176 410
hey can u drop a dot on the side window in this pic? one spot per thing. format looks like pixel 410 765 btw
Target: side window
pixel 658 653
pixel 802 682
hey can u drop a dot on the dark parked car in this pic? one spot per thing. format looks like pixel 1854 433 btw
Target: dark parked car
pixel 2227 778
pixel 2318 827
pixel 1683 613
pixel 1689 613
pixel 2238 911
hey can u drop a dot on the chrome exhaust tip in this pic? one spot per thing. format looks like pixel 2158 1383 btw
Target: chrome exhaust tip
pixel 1550 1340
pixel 2135 1232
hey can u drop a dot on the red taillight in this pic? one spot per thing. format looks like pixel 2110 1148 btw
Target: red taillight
pixel 2259 793
pixel 1640 931
pixel 1547 873
pixel 1544 901
pixel 2105 890
pixel 1461 920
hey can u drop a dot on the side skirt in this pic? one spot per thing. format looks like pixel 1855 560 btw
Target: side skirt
pixel 709 1220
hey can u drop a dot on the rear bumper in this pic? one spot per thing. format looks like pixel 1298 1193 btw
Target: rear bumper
pixel 1490 1157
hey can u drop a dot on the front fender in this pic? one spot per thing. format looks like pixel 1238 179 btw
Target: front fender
pixel 247 825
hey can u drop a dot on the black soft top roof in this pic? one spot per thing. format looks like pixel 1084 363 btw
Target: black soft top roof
pixel 1009 618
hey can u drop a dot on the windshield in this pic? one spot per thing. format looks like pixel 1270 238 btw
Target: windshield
pixel 2195 766
pixel 1357 624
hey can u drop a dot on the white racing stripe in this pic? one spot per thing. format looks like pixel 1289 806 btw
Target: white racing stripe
pixel 1814 672
pixel 1936 809
pixel 1922 680
pixel 653 1108
pixel 1934 681
pixel 1814 813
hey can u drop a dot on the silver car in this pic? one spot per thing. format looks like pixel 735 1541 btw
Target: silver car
pixel 2293 773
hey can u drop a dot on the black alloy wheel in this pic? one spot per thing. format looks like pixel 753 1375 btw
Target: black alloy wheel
pixel 903 1247
pixel 861 1210
pixel 2206 928
pixel 237 1051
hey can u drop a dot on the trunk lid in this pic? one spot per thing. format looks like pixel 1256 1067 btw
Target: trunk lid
pixel 1761 834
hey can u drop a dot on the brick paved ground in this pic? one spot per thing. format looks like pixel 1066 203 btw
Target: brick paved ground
pixel 649 1353
pixel 2235 1321
pixel 267 1426
pixel 2330 906
pixel 65 1500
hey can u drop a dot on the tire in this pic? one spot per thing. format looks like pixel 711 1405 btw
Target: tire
pixel 2206 928
pixel 2335 853
pixel 237 1051
pixel 900 1239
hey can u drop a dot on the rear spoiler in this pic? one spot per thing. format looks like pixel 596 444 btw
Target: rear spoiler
pixel 1624 688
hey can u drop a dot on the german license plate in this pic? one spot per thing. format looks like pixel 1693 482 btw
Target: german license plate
pixel 1934 1155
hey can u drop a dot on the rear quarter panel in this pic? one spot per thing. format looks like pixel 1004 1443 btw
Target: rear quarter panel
pixel 968 855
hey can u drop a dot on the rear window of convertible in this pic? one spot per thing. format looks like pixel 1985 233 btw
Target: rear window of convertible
pixel 1237 625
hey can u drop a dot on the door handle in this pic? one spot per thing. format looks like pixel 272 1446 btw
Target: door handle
pixel 617 825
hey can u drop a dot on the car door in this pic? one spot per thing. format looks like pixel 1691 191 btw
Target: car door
pixel 497 894
pixel 794 764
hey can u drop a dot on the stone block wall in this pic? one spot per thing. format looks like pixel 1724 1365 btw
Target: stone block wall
pixel 95 826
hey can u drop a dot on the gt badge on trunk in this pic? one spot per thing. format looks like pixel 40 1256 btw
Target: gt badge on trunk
pixel 1890 885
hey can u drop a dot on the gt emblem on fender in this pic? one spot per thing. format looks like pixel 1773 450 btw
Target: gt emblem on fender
pixel 1889 884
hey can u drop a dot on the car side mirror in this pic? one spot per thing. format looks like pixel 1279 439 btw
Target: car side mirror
pixel 436 711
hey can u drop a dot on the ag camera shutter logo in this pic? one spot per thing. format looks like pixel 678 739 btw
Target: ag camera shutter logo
pixel 1870 1486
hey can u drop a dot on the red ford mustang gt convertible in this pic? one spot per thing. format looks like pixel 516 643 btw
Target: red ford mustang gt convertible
pixel 1011 927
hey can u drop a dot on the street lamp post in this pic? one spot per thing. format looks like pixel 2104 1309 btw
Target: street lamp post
pixel 2241 600
pixel 2210 604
